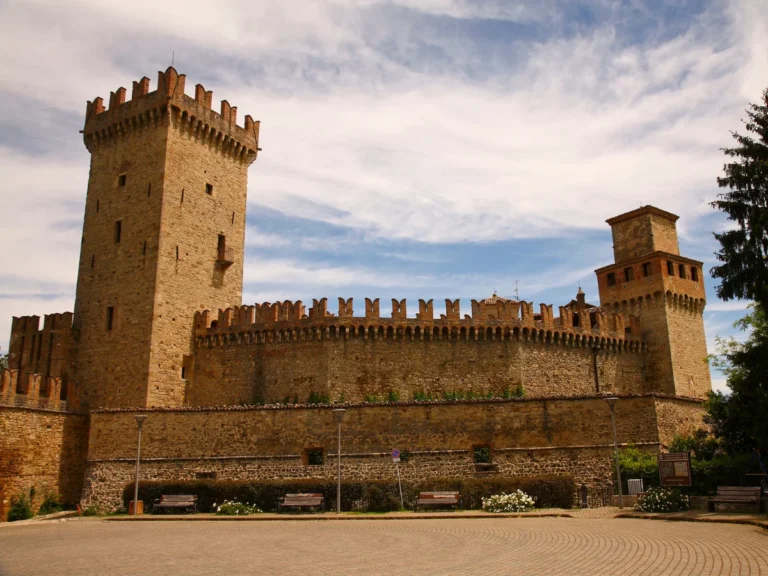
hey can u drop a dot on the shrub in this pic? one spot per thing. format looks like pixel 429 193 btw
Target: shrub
pixel 235 508
pixel 393 396
pixel 658 499
pixel 50 505
pixel 20 509
pixel 517 501
pixel 372 495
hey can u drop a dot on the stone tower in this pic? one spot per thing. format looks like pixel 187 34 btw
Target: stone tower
pixel 163 236
pixel 664 291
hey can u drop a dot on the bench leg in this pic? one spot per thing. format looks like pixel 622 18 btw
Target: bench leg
pixel 711 506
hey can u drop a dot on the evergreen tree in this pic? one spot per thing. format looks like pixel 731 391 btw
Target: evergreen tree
pixel 744 250
pixel 738 419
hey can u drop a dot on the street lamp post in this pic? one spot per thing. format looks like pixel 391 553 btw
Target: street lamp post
pixel 338 413
pixel 139 421
pixel 612 404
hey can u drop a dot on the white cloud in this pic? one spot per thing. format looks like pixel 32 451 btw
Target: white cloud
pixel 732 306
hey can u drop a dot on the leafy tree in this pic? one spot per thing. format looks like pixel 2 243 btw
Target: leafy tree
pixel 739 419
pixel 3 362
pixel 744 249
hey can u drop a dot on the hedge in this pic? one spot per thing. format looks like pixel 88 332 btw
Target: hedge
pixel 372 496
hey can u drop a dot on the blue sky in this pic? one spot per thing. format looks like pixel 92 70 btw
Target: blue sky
pixel 411 148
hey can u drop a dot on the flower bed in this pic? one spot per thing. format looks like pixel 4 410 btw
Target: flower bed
pixel 235 508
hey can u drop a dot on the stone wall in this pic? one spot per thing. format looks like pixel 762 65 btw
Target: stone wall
pixel 44 450
pixel 568 436
pixel 678 416
pixel 356 368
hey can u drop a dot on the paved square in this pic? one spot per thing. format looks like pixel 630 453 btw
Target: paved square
pixel 530 546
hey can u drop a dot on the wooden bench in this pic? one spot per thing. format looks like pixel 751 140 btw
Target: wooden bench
pixel 737 495
pixel 186 502
pixel 302 501
pixel 438 499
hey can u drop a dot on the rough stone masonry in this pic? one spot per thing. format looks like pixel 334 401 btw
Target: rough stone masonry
pixel 159 326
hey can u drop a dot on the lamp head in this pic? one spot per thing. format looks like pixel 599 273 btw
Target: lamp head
pixel 140 419
pixel 338 413
pixel 612 401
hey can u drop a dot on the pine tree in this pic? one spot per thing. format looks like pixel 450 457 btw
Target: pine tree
pixel 744 250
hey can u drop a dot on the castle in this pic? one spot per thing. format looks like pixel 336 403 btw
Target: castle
pixel 241 391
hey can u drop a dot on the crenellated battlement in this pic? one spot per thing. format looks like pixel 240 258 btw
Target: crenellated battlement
pixel 491 319
pixel 193 115
pixel 38 392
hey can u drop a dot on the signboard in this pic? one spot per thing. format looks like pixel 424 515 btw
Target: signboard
pixel 675 469
pixel 396 456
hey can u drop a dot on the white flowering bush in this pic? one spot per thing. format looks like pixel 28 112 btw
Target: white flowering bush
pixel 659 499
pixel 517 501
pixel 235 508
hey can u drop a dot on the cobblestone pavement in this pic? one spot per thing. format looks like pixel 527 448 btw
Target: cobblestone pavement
pixel 530 546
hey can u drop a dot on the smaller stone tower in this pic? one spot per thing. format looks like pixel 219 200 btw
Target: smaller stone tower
pixel 665 291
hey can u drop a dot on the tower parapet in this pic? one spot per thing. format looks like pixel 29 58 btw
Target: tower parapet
pixel 191 114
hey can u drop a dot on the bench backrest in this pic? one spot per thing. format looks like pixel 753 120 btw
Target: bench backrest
pixel 747 491
pixel 437 495
pixel 292 496
pixel 178 498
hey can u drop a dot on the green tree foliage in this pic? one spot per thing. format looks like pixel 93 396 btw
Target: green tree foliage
pixel 3 362
pixel 744 249
pixel 738 419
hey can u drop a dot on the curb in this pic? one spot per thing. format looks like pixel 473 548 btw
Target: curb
pixel 722 520
pixel 308 518
pixel 37 519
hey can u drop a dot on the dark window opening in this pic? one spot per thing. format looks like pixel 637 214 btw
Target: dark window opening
pixel 183 372
pixel 233 217
pixel 592 319
pixel 121 180
pixel 182 195
pixel 97 205
pixel 694 274
pixel 118 231
pixel 646 269
pixel 209 189
pixel 93 260
pixel 222 247
pixel 315 456
pixel 187 364
pixel 149 189
pixel 629 274
pixel 177 253
pixel 576 319
pixel 670 268
pixel 110 317
pixel 205 475
pixel 144 249
pixel 681 270
pixel 611 279
pixel 481 454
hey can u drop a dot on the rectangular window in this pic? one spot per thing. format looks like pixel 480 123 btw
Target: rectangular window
pixel 314 456
pixel 482 454
pixel 629 274
pixel 670 268
pixel 694 274
pixel 118 231
pixel 611 279
pixel 646 269
pixel 187 366
pixel 681 270
pixel 110 317
pixel 209 189
pixel 121 180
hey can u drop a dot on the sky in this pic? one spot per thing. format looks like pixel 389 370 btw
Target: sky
pixel 411 148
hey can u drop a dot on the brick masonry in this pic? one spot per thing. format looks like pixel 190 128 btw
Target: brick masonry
pixel 44 450
pixel 564 436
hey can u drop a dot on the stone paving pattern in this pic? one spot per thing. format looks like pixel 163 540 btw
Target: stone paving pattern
pixel 531 546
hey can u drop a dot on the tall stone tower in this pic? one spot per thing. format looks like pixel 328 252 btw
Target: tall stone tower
pixel 163 236
pixel 651 281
